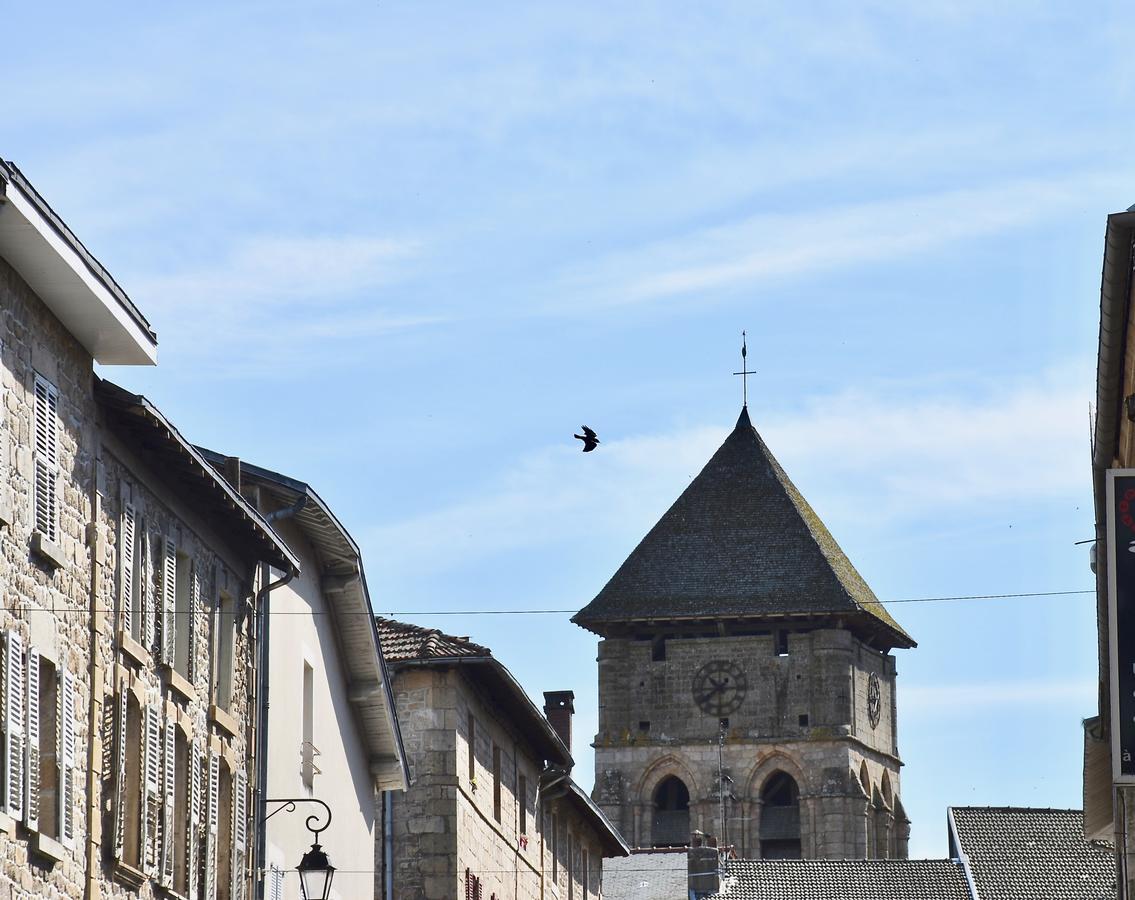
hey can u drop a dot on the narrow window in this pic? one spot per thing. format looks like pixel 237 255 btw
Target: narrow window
pixel 804 720
pixel 644 725
pixel 471 733
pixel 522 802
pixel 555 849
pixel 181 790
pixel 496 782
pixel 183 615
pixel 225 623
pixel 782 643
pixel 658 649
pixel 225 836
pixel 50 718
pixel 570 868
pixel 46 458
pixel 584 882
pixel 308 746
pixel 130 798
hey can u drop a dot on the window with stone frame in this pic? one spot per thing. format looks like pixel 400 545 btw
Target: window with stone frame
pixel 46 459
pixel 471 748
pixel 496 782
pixel 224 635
pixel 522 804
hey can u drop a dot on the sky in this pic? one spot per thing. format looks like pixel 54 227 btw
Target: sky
pixel 402 251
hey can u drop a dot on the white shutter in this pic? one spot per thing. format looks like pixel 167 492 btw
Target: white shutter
pixel 67 760
pixel 275 882
pixel 169 763
pixel 151 785
pixel 193 832
pixel 240 832
pixel 169 600
pixel 14 725
pixel 212 804
pixel 46 457
pixel 31 742
pixel 146 595
pixel 126 566
pixel 195 621
pixel 120 780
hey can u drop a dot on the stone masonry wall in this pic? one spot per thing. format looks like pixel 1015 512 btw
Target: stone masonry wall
pixel 804 713
pixel 45 604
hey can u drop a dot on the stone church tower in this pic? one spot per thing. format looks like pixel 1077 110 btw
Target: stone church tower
pixel 746 686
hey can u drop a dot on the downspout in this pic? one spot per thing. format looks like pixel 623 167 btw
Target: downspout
pixel 93 831
pixel 388 844
pixel 263 610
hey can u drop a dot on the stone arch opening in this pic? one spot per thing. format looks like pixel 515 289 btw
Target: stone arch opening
pixel 780 817
pixel 671 825
pixel 888 797
pixel 865 778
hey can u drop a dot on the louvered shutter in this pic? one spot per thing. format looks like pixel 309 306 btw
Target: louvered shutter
pixel 169 600
pixel 151 787
pixel 169 764
pixel 240 832
pixel 67 760
pixel 212 803
pixel 120 774
pixel 14 694
pixel 126 565
pixel 31 742
pixel 148 601
pixel 193 832
pixel 195 621
pixel 276 882
pixel 46 457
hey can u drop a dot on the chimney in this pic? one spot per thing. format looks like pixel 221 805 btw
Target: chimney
pixel 704 865
pixel 559 706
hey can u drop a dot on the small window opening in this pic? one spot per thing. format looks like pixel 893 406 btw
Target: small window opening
pixel 782 643
pixel 496 782
pixel 804 720
pixel 644 725
pixel 658 650
pixel 723 723
pixel 522 802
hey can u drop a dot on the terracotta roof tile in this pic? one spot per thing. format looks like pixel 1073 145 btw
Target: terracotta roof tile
pixel 403 641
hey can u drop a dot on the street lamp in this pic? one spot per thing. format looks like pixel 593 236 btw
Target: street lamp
pixel 315 868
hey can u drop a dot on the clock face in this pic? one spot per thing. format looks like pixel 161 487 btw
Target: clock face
pixel 719 687
pixel 874 700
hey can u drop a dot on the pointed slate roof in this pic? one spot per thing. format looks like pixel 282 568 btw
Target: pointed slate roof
pixel 741 542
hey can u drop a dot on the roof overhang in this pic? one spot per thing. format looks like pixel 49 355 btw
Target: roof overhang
pixel 142 427
pixel 68 279
pixel 613 843
pixel 348 600
pixel 499 683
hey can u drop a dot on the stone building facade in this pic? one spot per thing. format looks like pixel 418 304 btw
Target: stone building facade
pixel 746 688
pixel 126 568
pixel 492 811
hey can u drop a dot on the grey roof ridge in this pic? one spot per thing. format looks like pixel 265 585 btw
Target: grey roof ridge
pixel 835 556
pixel 1036 809
pixel 257 520
pixel 599 815
pixel 514 687
pixel 9 171
pixel 313 496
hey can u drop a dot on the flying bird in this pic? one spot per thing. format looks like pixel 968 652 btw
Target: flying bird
pixel 589 438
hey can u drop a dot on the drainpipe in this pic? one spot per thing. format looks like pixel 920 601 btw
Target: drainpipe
pixel 263 610
pixel 93 831
pixel 388 844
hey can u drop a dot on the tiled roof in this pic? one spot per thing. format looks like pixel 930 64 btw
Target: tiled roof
pixel 740 541
pixel 402 641
pixel 843 879
pixel 1031 854
pixel 646 876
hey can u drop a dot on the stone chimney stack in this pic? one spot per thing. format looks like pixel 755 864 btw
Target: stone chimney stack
pixel 704 865
pixel 559 707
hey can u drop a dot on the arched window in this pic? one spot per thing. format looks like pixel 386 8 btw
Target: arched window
pixel 780 817
pixel 671 814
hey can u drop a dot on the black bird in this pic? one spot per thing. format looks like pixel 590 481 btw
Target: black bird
pixel 589 438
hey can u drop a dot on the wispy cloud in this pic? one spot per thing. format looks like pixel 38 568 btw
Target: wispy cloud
pixel 772 246
pixel 888 442
pixel 323 290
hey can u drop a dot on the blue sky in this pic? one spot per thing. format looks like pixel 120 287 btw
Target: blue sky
pixel 402 251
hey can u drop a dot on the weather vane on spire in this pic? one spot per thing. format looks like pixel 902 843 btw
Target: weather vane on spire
pixel 744 373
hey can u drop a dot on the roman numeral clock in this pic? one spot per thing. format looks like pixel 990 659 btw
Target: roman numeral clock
pixel 719 687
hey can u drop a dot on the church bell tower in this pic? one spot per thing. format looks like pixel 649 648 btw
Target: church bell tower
pixel 746 682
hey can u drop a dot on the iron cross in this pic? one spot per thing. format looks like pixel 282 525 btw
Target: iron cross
pixel 744 373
